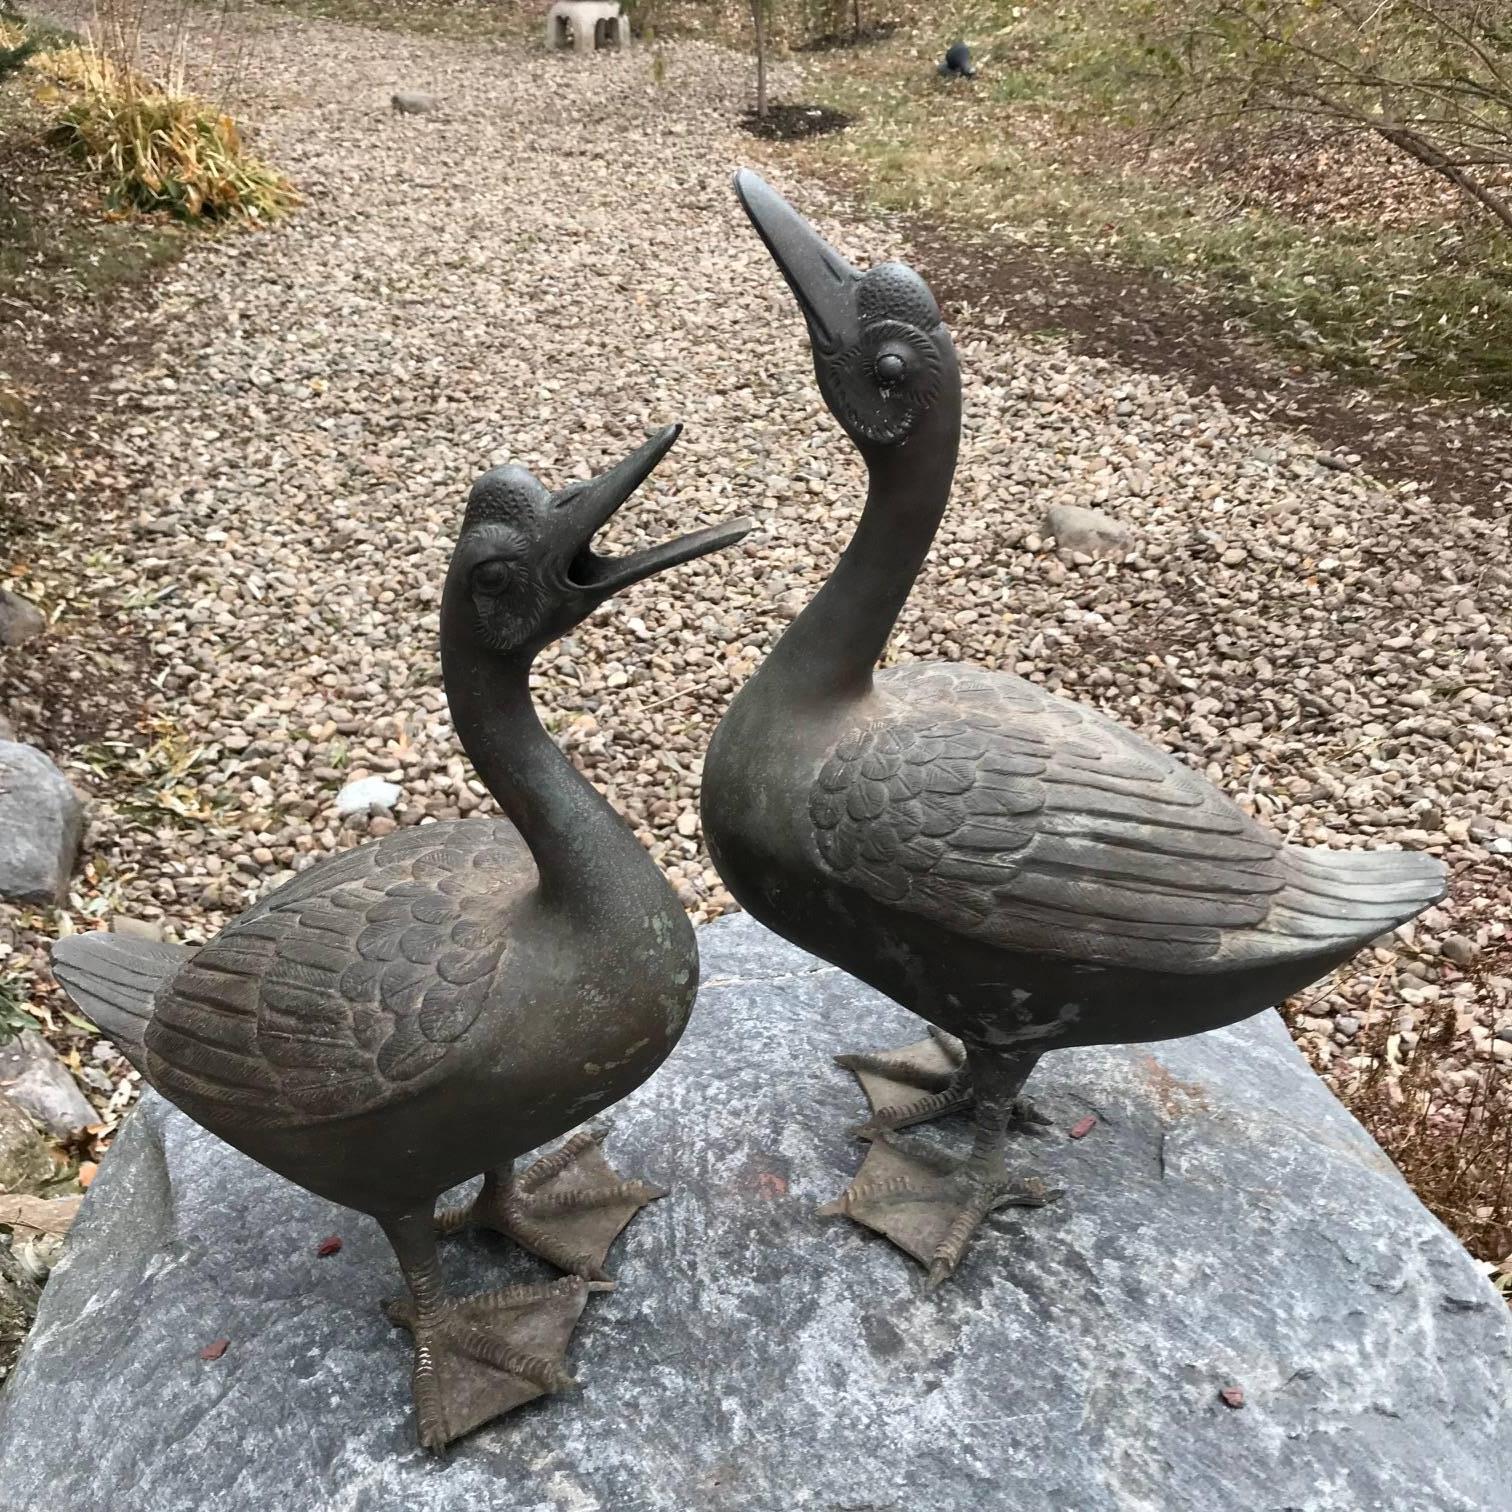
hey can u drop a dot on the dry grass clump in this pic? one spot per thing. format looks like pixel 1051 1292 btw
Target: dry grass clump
pixel 1453 1144
pixel 160 147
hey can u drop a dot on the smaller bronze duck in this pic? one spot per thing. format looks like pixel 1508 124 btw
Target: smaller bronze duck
pixel 1015 868
pixel 441 1001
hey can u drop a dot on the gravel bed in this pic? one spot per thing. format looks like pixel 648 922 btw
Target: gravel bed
pixel 555 264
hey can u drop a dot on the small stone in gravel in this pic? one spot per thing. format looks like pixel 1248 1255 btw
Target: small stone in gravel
pixel 33 1077
pixel 1458 949
pixel 20 619
pixel 367 794
pixel 1088 530
pixel 411 102
pixel 136 929
pixel 1347 1025
pixel 41 823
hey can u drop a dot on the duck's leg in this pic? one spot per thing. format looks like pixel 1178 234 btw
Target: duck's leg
pixel 925 1080
pixel 930 1207
pixel 479 1357
pixel 568 1207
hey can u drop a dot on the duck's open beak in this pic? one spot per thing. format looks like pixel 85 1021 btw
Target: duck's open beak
pixel 816 273
pixel 589 506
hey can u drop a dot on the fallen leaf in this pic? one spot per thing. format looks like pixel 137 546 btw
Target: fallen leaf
pixel 87 1172
pixel 1083 1127
pixel 216 1350
pixel 1232 1396
pixel 330 1245
pixel 46 1215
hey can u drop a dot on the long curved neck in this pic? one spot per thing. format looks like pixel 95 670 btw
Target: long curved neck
pixel 831 650
pixel 581 847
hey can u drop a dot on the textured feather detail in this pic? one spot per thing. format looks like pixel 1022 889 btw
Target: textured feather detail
pixel 114 980
pixel 1003 813
pixel 1353 895
pixel 348 987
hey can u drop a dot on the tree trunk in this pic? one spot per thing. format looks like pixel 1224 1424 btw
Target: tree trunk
pixel 856 16
pixel 757 6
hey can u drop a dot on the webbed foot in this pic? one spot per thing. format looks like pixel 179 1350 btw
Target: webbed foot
pixel 568 1208
pixel 929 1206
pixel 922 1081
pixel 477 1358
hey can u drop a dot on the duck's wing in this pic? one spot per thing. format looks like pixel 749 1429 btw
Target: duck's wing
pixel 994 809
pixel 348 988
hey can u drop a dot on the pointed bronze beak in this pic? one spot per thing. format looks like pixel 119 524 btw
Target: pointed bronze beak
pixel 815 272
pixel 589 506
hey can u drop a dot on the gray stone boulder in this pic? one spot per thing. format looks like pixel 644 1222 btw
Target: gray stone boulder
pixel 32 1076
pixel 1089 532
pixel 20 619
pixel 41 824
pixel 1226 1225
pixel 25 1160
pixel 18 1305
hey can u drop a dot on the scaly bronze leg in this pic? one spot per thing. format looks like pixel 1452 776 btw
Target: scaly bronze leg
pixel 930 1207
pixel 925 1080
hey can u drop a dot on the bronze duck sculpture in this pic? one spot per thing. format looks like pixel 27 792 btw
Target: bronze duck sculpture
pixel 440 1001
pixel 1015 868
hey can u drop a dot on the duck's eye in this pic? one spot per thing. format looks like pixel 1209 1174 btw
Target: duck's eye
pixel 890 368
pixel 491 576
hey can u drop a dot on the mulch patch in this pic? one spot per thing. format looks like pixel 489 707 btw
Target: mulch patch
pixel 792 123
pixel 88 678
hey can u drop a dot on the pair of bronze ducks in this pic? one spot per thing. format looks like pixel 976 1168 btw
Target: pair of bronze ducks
pixel 1016 869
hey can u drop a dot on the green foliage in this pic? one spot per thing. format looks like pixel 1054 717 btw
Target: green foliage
pixel 15 1002
pixel 1433 78
pixel 1082 131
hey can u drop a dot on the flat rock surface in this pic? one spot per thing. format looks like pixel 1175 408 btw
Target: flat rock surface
pixel 1226 1224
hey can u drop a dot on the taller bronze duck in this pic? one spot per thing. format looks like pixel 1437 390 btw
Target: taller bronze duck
pixel 440 1001
pixel 1017 869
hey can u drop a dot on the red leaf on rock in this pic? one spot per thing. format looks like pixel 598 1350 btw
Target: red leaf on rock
pixel 1232 1396
pixel 216 1350
pixel 1083 1127
pixel 328 1246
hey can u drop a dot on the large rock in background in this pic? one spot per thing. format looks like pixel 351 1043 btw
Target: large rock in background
pixel 1226 1224
pixel 41 824
pixel 32 1076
